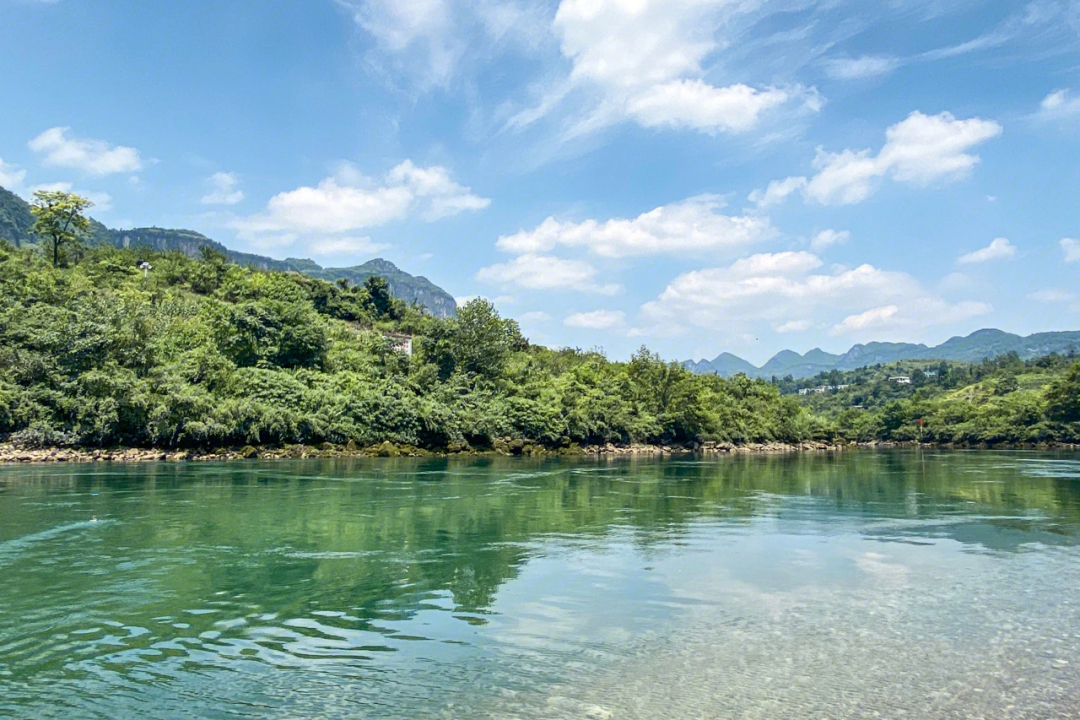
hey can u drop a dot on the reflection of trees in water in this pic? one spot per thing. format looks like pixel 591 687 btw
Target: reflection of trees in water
pixel 386 537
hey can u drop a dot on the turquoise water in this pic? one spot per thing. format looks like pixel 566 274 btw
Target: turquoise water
pixel 899 584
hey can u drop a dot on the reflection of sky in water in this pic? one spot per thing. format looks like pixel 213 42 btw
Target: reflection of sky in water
pixel 936 585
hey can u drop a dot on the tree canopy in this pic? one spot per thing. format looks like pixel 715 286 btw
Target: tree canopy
pixel 205 353
pixel 60 223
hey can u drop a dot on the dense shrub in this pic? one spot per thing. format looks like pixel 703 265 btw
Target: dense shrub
pixel 203 353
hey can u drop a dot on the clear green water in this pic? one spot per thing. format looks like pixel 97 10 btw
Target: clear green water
pixel 932 585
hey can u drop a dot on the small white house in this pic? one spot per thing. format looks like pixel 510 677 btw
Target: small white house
pixel 901 380
pixel 401 343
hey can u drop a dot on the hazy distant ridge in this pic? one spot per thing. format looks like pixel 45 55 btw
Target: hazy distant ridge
pixel 973 348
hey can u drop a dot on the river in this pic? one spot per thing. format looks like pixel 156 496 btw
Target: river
pixel 896 584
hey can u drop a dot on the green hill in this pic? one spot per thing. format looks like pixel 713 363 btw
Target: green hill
pixel 979 345
pixel 15 222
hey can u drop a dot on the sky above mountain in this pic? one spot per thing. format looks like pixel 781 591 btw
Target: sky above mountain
pixel 693 175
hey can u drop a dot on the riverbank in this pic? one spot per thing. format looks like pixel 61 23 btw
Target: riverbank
pixel 13 454
pixel 10 454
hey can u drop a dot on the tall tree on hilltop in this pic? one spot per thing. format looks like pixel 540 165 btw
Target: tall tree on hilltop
pixel 59 222
pixel 379 292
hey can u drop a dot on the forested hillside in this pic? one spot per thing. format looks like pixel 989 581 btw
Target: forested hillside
pixel 207 353
pixel 16 219
pixel 101 349
pixel 1002 400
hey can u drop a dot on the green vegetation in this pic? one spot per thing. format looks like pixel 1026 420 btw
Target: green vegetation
pixel 17 220
pixel 204 353
pixel 1002 400
pixel 103 346
pixel 59 223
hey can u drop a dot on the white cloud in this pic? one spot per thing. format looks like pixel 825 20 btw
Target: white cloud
pixel 789 291
pixel 596 320
pixel 872 318
pixel 918 150
pixel 643 60
pixel 828 238
pixel 794 326
pixel 10 175
pixel 345 246
pixel 444 196
pixel 1071 247
pixel 696 104
pixel 94 157
pixel 955 282
pixel 348 201
pixel 999 249
pixel 859 68
pixel 102 200
pixel 691 225
pixel 777 191
pixel 223 190
pixel 417 34
pixel 1052 295
pixel 430 40
pixel 535 316
pixel 1059 104
pixel 545 272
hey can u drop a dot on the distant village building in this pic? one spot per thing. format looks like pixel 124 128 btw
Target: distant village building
pixel 821 389
pixel 901 380
pixel 400 343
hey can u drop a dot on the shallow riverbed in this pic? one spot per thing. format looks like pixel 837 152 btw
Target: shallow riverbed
pixel 890 584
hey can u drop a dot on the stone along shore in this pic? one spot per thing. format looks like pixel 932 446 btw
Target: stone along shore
pixel 505 447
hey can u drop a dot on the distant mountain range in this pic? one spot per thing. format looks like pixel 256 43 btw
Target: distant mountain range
pixel 975 347
pixel 15 222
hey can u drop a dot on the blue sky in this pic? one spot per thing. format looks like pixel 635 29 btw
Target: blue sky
pixel 693 175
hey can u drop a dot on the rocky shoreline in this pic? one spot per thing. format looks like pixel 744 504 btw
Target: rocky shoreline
pixel 11 454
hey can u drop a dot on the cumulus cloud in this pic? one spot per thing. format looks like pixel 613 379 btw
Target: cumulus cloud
pixel 828 238
pixel 1059 104
pixel 443 196
pixel 596 320
pixel 348 201
pixel 94 157
pixel 791 292
pixel 10 175
pixel 777 191
pixel 794 326
pixel 872 318
pixel 999 249
pixel 860 68
pixel 1071 248
pixel 697 105
pixel 692 225
pixel 1052 295
pixel 345 246
pixel 643 61
pixel 918 150
pixel 223 190
pixel 545 272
